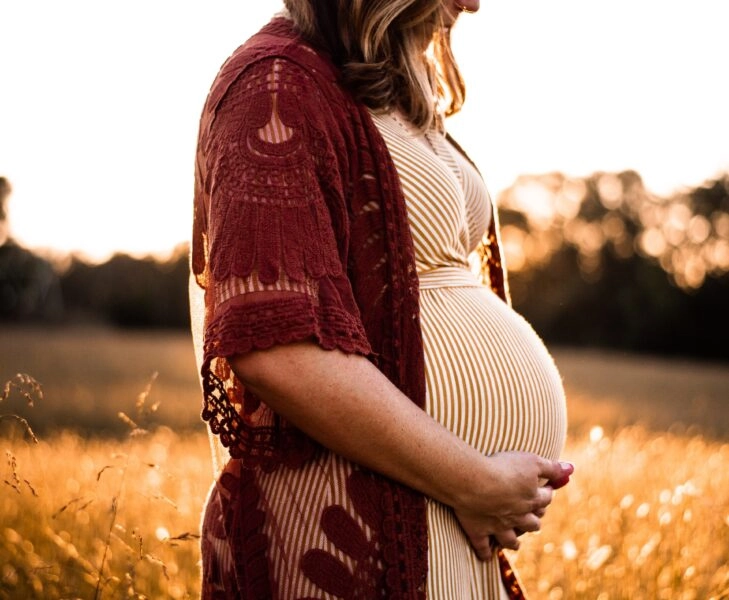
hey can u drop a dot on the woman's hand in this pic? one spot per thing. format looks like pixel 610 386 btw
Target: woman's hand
pixel 512 501
pixel 344 403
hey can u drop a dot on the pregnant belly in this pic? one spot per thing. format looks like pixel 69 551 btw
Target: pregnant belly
pixel 490 379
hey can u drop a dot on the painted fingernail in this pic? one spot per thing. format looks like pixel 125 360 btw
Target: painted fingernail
pixel 555 484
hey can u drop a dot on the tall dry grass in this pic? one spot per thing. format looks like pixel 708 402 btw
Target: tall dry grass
pixel 102 519
pixel 645 517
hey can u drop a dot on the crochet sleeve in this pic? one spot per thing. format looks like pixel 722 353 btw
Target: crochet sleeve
pixel 275 231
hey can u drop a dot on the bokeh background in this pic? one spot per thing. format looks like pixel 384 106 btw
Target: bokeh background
pixel 602 131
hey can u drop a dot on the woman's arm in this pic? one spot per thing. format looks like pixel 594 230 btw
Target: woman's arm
pixel 346 404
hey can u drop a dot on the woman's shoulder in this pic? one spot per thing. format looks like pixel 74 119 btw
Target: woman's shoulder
pixel 276 43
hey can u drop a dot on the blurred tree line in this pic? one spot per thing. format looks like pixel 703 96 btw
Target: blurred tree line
pixel 602 262
pixel 598 262
pixel 129 292
pixel 124 291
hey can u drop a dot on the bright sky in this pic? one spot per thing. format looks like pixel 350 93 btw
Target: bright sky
pixel 99 103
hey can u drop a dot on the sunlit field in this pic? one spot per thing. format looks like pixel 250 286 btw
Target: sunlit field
pixel 97 519
pixel 112 510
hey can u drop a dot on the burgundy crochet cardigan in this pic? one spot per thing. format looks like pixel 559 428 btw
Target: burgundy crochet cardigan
pixel 320 208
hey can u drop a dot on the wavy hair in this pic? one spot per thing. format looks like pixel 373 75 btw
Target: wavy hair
pixel 392 53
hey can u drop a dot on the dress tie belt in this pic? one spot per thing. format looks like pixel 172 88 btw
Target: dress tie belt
pixel 448 277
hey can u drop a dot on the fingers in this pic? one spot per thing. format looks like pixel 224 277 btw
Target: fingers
pixel 528 522
pixel 544 497
pixel 507 539
pixel 557 473
pixel 551 469
pixel 555 484
pixel 483 547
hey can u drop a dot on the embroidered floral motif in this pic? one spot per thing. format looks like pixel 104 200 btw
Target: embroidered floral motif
pixel 322 205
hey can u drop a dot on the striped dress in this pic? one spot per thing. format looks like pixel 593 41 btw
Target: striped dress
pixel 489 377
pixel 490 380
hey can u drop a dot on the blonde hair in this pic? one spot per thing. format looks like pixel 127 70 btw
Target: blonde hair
pixel 392 53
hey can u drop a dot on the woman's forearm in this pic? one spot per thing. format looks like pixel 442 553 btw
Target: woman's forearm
pixel 347 405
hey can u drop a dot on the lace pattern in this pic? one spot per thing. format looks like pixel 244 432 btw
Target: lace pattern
pixel 295 189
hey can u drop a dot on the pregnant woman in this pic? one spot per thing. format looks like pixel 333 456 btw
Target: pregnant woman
pixel 390 423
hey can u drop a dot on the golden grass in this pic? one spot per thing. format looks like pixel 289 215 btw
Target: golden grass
pixel 103 519
pixel 645 517
pixel 90 374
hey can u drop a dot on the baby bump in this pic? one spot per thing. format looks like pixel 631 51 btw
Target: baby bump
pixel 490 379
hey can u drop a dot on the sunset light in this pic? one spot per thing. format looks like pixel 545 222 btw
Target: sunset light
pixel 100 105
pixel 362 352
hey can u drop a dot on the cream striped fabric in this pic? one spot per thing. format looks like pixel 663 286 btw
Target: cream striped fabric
pixel 275 132
pixel 239 287
pixel 297 499
pixel 489 377
pixel 450 225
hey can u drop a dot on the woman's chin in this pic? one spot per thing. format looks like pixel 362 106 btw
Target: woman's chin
pixel 470 6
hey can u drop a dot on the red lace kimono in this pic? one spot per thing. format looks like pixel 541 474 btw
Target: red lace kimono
pixel 300 231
